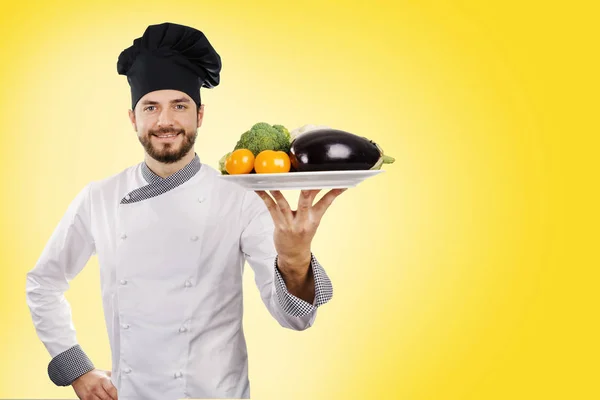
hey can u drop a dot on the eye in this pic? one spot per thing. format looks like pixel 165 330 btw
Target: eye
pixel 182 107
pixel 149 108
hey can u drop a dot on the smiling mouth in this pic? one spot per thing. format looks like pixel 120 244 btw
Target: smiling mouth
pixel 168 136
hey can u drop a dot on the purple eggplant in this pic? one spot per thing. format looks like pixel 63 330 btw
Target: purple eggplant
pixel 327 149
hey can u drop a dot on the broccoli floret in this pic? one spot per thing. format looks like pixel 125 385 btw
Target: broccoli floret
pixel 263 136
pixel 283 130
pixel 222 163
pixel 260 125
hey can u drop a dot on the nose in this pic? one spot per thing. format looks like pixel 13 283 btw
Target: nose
pixel 165 118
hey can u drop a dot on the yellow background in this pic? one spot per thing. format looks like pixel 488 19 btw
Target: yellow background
pixel 468 270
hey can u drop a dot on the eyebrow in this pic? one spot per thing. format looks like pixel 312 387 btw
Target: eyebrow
pixel 179 100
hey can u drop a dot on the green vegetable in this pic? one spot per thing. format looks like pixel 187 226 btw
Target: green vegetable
pixel 283 130
pixel 222 163
pixel 263 136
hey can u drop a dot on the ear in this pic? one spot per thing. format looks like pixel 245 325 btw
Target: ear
pixel 132 119
pixel 200 115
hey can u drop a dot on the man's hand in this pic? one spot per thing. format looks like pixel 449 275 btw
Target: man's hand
pixel 294 231
pixel 95 385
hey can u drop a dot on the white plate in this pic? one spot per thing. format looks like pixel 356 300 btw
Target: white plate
pixel 302 180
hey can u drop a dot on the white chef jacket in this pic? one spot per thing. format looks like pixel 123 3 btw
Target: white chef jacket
pixel 171 253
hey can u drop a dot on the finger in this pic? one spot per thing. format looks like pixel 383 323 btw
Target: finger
pixel 323 204
pixel 100 393
pixel 271 206
pixel 110 389
pixel 305 203
pixel 283 205
pixel 313 195
pixel 109 373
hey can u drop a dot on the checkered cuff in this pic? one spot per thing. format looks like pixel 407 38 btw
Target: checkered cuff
pixel 68 366
pixel 297 307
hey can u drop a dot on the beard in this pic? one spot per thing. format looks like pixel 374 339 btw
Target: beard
pixel 168 153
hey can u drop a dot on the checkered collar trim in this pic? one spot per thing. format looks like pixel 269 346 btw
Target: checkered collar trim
pixel 158 185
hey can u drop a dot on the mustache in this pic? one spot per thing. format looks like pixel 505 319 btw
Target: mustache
pixel 165 131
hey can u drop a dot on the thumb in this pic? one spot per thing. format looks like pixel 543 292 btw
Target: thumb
pixel 109 373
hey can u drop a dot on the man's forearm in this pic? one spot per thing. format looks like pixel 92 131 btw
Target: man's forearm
pixel 298 277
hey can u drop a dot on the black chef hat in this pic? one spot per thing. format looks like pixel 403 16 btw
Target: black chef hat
pixel 170 56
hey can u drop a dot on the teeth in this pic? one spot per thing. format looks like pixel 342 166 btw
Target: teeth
pixel 167 136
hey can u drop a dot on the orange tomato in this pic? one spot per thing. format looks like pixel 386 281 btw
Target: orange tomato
pixel 271 162
pixel 241 161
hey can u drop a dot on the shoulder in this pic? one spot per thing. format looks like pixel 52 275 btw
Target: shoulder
pixel 231 189
pixel 249 202
pixel 120 177
pixel 113 185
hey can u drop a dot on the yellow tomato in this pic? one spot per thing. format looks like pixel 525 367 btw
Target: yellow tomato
pixel 241 161
pixel 270 162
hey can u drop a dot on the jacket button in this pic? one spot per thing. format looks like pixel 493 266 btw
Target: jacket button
pixel 128 197
pixel 201 199
pixel 188 283
pixel 194 238
pixel 182 329
pixel 123 282
pixel 125 326
pixel 127 370
pixel 123 236
pixel 178 374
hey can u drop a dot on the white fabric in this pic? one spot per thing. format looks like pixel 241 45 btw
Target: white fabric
pixel 171 278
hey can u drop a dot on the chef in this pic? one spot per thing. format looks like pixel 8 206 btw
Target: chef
pixel 172 239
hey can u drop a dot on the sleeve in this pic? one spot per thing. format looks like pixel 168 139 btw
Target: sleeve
pixel 297 307
pixel 64 256
pixel 258 247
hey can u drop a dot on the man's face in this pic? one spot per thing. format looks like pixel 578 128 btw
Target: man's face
pixel 166 122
